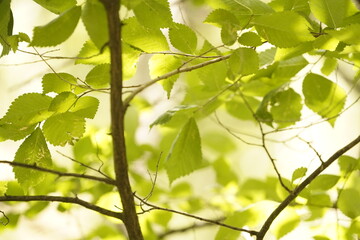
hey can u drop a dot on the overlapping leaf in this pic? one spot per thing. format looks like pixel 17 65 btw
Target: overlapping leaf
pixel 183 38
pixel 153 14
pixel 56 6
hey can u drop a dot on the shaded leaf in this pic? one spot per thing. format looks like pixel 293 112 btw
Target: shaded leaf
pixel 86 107
pixel 56 6
pixel 348 202
pixel 63 102
pixel 349 34
pixel 90 54
pixel 99 76
pixel 6 25
pixel 324 182
pixel 244 61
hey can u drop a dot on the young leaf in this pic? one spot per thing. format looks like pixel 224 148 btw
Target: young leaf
pixel 323 96
pixel 181 113
pixel 290 67
pixel 244 61
pixel 99 76
pixel 63 128
pixel 28 109
pixel 86 107
pixel 95 20
pixel 183 38
pixel 56 6
pixel 90 54
pixel 298 173
pixel 283 29
pixel 348 202
pixel 152 14
pixel 62 102
pixel 250 39
pixel 144 39
pixel 32 151
pixel 58 82
pixel 58 30
pixel 185 155
pixel 161 64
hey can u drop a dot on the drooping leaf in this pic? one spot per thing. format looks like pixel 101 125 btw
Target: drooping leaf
pixel 162 64
pixel 250 39
pixel 244 61
pixel 330 12
pixel 185 155
pixel 348 202
pixel 63 102
pixel 6 25
pixel 142 38
pixel 63 128
pixel 90 54
pixel 14 132
pixel 58 30
pixel 183 38
pixel 94 17
pixel 349 34
pixel 284 29
pixel 32 151
pixel 28 109
pixel 177 114
pixel 86 107
pixel 323 96
pixel 153 14
pixel 298 173
pixel 56 6
pixel 59 82
pixel 99 76
pixel 324 182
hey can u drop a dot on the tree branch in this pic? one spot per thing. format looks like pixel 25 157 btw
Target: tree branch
pixel 260 235
pixel 169 74
pixel 60 174
pixel 75 200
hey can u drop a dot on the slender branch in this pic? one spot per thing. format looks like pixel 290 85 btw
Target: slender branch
pixel 299 188
pixel 169 74
pixel 60 174
pixel 74 200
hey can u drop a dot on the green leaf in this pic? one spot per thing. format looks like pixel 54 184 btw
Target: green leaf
pixel 348 164
pixel 32 151
pixel 99 76
pixel 56 6
pixel 298 173
pixel 326 42
pixel 6 25
pixel 212 76
pixel 324 182
pixel 63 102
pixel 348 202
pixel 290 67
pixel 330 64
pixel 144 39
pixel 183 38
pixel 86 107
pixel 283 54
pixel 239 109
pixel 63 128
pixel 250 39
pixel 286 223
pixel 284 29
pixel 58 30
pixel 152 14
pixel 130 57
pixel 349 34
pixel 15 132
pixel 224 172
pixel 323 96
pixel 330 12
pixel 185 155
pixel 178 114
pixel 319 199
pixel 28 109
pixel 162 64
pixel 90 54
pixel 244 61
pixel 59 82
pixel 95 20
pixel 3 188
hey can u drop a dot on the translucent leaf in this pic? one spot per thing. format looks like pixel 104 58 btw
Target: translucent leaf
pixel 183 38
pixel 288 53
pixel 284 29
pixel 330 12
pixel 63 128
pixel 15 132
pixel 301 6
pixel 250 39
pixel 289 68
pixel 58 30
pixel 90 54
pixel 348 202
pixel 286 223
pixel 348 164
pixel 95 20
pixel 330 64
pixel 86 107
pixel 99 76
pixel 162 64
pixel 56 6
pixel 130 57
pixel 3 188
pixel 298 173
pixel 326 42
pixel 237 107
pixel 349 34
pixel 323 96
pixel 213 76
pixel 63 102
pixel 185 155
pixel 142 38
pixel 181 113
pixel 324 182
pixel 244 61
pixel 32 151
pixel 28 109
pixel 224 172
pixel 152 14
pixel 6 25
pixel 60 82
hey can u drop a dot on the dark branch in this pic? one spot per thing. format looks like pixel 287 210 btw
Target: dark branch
pixel 74 200
pixel 60 174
